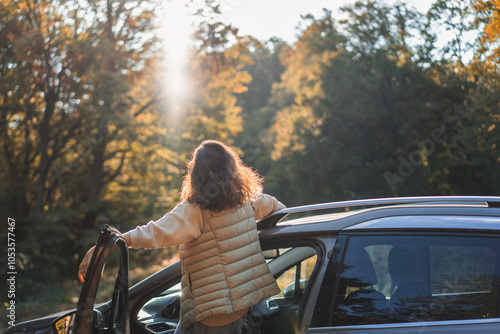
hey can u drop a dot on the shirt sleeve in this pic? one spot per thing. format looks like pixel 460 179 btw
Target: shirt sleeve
pixel 265 204
pixel 181 225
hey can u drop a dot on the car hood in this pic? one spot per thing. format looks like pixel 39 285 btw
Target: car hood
pixel 36 326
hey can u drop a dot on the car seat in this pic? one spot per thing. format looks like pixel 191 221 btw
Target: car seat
pixel 409 292
pixel 365 305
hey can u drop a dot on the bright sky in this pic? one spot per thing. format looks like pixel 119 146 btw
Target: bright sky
pixel 267 18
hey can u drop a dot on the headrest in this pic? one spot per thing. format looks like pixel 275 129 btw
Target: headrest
pixel 358 269
pixel 401 265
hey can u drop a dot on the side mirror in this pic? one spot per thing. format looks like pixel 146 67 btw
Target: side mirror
pixel 271 254
pixel 64 324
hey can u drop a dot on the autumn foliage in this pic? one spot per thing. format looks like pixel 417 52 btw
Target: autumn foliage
pixel 386 102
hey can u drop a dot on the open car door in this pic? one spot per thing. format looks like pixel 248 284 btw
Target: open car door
pixel 88 320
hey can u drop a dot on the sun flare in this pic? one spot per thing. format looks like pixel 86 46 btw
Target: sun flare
pixel 176 33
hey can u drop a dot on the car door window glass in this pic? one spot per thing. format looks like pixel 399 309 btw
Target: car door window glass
pixel 293 270
pixel 108 278
pixel 286 281
pixel 277 314
pixel 387 279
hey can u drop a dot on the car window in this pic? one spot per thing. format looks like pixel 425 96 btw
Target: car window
pixel 277 314
pixel 293 270
pixel 108 277
pixel 286 281
pixel 388 279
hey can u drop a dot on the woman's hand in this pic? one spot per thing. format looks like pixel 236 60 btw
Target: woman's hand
pixel 84 266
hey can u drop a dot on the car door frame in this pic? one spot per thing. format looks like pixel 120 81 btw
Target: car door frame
pixel 108 239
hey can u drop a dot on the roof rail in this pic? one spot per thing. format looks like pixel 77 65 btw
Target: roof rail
pixel 275 217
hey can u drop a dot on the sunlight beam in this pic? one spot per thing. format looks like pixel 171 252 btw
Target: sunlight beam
pixel 176 33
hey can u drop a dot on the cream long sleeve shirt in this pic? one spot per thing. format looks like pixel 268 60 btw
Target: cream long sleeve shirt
pixel 185 223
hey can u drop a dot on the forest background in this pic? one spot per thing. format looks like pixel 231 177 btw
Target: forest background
pixel 373 105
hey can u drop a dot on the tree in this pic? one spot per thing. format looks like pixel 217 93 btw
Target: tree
pixel 76 95
pixel 487 20
pixel 216 77
pixel 266 70
pixel 295 98
pixel 362 121
pixel 453 19
pixel 471 147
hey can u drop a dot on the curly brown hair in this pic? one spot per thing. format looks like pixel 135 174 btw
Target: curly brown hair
pixel 217 179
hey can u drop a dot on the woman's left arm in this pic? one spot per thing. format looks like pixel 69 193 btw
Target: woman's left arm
pixel 183 224
pixel 264 204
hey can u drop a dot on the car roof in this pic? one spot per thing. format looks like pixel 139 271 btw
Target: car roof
pixel 430 222
pixel 352 215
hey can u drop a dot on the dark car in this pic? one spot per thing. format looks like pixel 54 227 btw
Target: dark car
pixel 394 265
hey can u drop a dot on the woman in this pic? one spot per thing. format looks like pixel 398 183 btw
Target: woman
pixel 223 270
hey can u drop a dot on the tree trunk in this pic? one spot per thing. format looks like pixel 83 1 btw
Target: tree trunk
pixel 45 159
